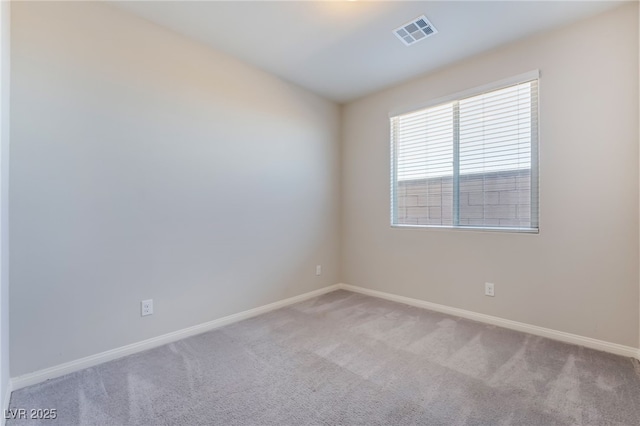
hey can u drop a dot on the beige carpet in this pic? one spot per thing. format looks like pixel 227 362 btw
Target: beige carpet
pixel 349 359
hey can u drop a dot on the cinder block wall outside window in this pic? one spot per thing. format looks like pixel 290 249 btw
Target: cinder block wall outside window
pixel 488 199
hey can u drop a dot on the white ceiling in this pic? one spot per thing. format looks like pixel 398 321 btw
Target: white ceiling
pixel 346 49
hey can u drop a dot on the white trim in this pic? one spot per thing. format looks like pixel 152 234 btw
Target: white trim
pixel 5 122
pixel 92 360
pixel 549 333
pixel 5 401
pixel 510 81
pixel 466 228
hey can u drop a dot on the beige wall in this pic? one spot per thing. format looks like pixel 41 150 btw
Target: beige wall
pixel 145 165
pixel 580 274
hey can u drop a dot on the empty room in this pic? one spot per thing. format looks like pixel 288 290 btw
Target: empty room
pixel 319 213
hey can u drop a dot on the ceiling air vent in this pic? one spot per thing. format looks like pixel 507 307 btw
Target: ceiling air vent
pixel 416 30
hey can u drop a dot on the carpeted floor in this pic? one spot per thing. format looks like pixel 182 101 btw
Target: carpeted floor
pixel 348 359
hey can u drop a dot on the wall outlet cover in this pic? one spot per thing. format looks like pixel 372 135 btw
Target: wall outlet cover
pixel 489 289
pixel 146 307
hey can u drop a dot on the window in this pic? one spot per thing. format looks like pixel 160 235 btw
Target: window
pixel 470 162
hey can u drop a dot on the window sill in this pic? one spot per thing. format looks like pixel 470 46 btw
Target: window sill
pixel 471 228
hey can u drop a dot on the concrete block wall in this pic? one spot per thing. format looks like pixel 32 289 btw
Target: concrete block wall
pixel 488 199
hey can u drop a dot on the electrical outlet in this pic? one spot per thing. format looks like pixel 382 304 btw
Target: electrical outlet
pixel 489 290
pixel 146 307
pixel 318 269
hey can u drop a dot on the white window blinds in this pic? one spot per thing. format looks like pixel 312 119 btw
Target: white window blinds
pixel 471 162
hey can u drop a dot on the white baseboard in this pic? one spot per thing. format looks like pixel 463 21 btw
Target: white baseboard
pixel 5 401
pixel 562 336
pixel 92 360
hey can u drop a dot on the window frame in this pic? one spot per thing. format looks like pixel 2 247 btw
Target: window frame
pixel 455 98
